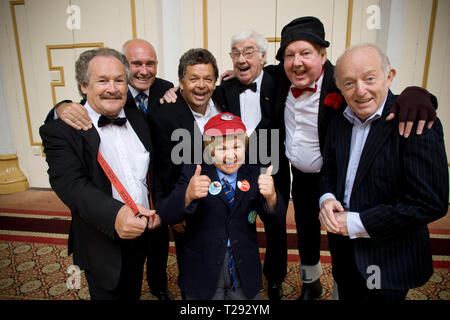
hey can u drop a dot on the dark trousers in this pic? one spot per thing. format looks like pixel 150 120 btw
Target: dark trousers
pixel 305 196
pixel 351 284
pixel 131 274
pixel 275 261
pixel 157 254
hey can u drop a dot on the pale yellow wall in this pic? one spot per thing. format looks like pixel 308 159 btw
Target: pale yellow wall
pixel 43 22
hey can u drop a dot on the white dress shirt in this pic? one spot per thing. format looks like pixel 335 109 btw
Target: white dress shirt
pixel 250 103
pixel 360 132
pixel 126 155
pixel 211 111
pixel 302 133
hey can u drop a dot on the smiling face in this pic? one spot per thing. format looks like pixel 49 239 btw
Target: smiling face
pixel 106 91
pixel 197 86
pixel 247 61
pixel 143 64
pixel 303 63
pixel 229 153
pixel 363 81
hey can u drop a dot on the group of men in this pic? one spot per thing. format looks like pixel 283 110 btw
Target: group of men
pixel 377 188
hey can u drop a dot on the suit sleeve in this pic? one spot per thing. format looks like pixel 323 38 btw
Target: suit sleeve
pixel 172 209
pixel 426 185
pixel 69 179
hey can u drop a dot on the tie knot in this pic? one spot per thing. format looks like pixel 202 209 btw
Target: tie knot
pixel 141 96
pixel 104 120
pixel 296 92
pixel 243 87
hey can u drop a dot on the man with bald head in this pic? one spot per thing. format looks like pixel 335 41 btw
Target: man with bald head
pixel 144 92
pixel 379 190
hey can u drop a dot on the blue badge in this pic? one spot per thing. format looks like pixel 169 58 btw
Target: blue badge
pixel 215 187
pixel 252 216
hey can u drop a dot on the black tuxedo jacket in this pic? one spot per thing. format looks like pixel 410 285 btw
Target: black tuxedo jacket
pixel 79 181
pixel 401 185
pixel 164 121
pixel 210 222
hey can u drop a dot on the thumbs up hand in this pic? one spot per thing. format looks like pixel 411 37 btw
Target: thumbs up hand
pixel 198 186
pixel 267 188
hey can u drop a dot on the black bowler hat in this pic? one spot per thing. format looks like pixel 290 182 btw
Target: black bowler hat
pixel 304 28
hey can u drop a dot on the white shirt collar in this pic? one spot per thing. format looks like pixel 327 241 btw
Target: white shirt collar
pixel 352 118
pixel 134 92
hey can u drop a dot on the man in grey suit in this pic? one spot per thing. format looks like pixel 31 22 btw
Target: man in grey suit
pixel 379 190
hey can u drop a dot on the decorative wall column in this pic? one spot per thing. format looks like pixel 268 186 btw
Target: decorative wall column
pixel 12 178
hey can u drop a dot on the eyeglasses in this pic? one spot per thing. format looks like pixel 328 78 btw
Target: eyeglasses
pixel 247 54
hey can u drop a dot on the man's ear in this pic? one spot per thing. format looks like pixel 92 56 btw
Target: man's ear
pixel 391 76
pixel 83 88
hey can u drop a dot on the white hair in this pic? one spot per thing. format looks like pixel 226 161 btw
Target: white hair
pixel 261 42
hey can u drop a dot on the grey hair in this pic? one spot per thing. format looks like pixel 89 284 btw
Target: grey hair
pixel 82 73
pixel 261 42
pixel 385 63
pixel 196 56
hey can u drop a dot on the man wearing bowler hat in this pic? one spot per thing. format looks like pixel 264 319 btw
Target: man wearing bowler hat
pixel 307 100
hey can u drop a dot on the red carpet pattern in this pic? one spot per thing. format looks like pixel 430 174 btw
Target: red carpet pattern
pixel 34 262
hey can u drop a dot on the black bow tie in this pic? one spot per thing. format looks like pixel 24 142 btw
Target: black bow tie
pixel 251 86
pixel 104 120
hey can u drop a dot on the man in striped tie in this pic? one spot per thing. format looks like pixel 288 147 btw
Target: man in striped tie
pixel 219 200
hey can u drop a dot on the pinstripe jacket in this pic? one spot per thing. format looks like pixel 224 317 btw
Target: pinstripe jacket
pixel 401 185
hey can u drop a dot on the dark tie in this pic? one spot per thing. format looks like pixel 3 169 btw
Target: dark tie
pixel 296 92
pixel 141 102
pixel 104 120
pixel 229 191
pixel 243 87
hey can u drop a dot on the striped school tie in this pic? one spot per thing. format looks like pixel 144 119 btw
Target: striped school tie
pixel 229 193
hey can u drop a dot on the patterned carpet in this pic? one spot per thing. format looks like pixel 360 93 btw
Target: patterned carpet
pixel 34 261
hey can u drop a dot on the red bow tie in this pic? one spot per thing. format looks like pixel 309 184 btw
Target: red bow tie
pixel 296 92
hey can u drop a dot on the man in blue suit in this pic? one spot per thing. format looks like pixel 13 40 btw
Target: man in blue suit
pixel 379 190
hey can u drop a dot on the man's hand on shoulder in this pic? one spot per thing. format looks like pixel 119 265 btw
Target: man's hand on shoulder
pixel 170 96
pixel 74 115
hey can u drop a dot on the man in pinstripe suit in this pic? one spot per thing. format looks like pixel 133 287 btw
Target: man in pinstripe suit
pixel 379 190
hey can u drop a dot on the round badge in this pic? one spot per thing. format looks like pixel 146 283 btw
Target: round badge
pixel 214 188
pixel 252 216
pixel 227 117
pixel 243 185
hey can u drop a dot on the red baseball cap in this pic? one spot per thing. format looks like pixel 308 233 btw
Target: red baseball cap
pixel 224 124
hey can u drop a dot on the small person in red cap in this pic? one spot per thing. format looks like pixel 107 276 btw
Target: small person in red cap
pixel 220 201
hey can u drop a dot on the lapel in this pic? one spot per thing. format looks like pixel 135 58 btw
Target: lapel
pixel 92 138
pixel 232 97
pixel 185 117
pixel 325 113
pixel 240 195
pixel 266 94
pixel 212 173
pixel 343 142
pixel 137 121
pixel 380 130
